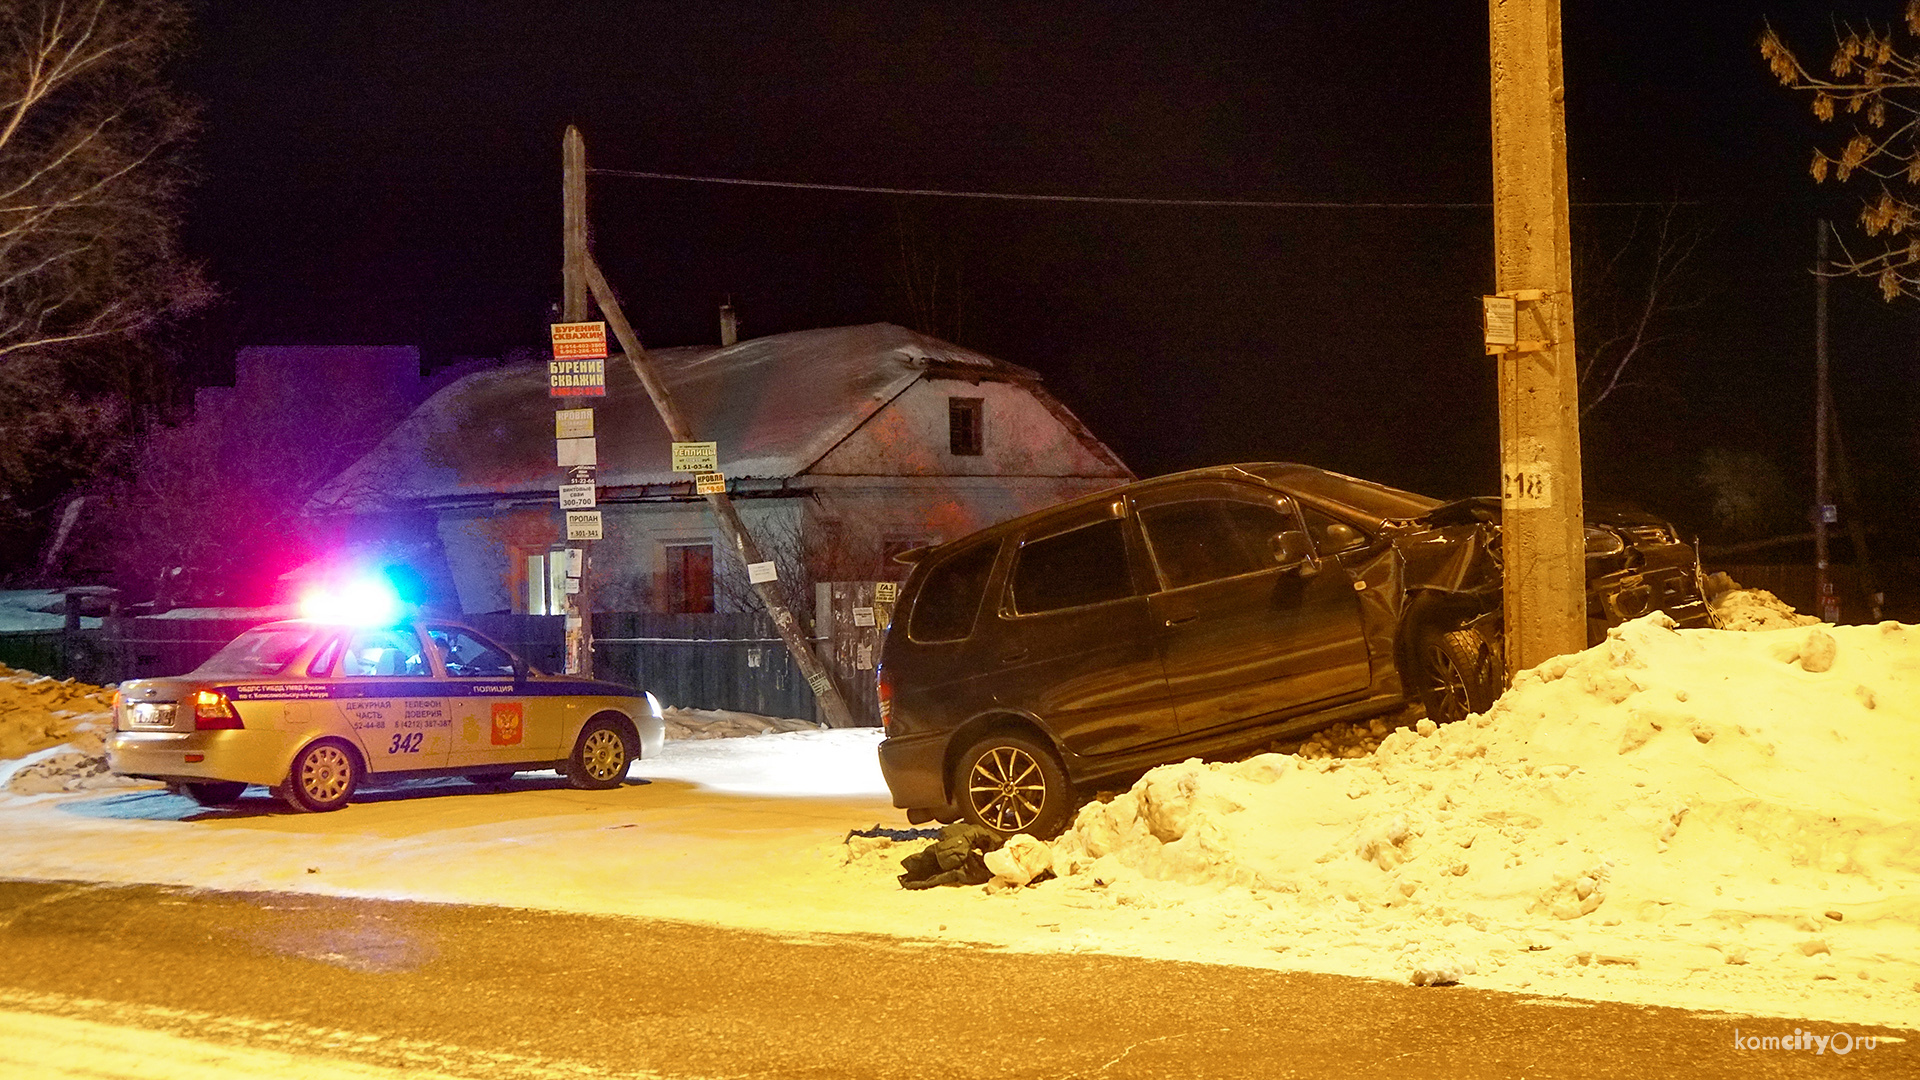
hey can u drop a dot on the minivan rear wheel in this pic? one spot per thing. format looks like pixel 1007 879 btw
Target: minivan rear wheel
pixel 1010 784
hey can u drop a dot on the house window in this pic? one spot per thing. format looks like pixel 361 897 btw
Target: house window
pixel 964 416
pixel 689 578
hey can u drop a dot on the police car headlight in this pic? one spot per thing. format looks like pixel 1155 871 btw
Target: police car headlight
pixel 653 706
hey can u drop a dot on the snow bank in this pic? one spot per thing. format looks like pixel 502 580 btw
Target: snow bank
pixel 53 733
pixel 1674 804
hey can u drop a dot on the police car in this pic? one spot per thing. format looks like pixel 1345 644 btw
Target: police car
pixel 311 708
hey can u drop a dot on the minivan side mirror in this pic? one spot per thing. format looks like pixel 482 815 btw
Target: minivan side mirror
pixel 1290 548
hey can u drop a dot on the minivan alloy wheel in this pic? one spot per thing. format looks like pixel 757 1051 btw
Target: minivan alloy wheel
pixel 1010 785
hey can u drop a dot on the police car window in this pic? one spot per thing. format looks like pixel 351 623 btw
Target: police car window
pixel 257 652
pixel 1085 566
pixel 388 653
pixel 946 606
pixel 323 660
pixel 1329 535
pixel 468 655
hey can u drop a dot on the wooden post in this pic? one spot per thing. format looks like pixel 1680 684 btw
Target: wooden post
pixel 1824 598
pixel 573 302
pixel 1543 527
pixel 832 705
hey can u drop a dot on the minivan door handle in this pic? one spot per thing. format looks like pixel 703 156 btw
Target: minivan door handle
pixel 1012 656
pixel 1176 620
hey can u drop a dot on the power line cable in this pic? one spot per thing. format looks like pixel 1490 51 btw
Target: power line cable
pixel 861 189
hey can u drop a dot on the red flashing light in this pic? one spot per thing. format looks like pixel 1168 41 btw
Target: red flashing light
pixel 886 699
pixel 194 759
pixel 213 712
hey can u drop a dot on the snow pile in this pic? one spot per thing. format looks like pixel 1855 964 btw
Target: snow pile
pixel 53 733
pixel 1675 799
pixel 1735 608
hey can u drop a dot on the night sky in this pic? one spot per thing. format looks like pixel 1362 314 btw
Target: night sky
pixel 389 174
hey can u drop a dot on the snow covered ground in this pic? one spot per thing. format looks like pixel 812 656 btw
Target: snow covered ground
pixel 1701 818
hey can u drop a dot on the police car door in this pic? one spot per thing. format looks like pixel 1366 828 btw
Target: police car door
pixel 494 721
pixel 387 693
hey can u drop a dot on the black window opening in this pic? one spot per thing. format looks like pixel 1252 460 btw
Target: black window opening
pixel 950 600
pixel 1073 569
pixel 964 431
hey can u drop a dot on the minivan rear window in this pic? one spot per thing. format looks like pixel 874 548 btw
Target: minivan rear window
pixel 1073 569
pixel 950 599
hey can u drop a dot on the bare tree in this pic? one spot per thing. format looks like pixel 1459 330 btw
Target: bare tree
pixel 90 172
pixel 1630 288
pixel 1876 82
pixel 91 180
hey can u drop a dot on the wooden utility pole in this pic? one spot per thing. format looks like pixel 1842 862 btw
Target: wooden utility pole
pixel 832 705
pixel 1824 598
pixel 1542 533
pixel 573 302
pixel 583 273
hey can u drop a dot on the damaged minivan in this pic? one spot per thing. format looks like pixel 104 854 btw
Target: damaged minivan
pixel 1205 614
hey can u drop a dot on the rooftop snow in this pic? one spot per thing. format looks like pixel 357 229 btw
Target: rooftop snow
pixel 774 405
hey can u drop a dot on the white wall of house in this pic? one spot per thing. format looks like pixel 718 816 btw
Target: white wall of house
pixel 910 437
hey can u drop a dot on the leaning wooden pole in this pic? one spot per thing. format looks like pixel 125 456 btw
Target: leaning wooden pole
pixel 832 705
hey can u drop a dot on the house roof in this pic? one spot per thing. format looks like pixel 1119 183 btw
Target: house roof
pixel 775 405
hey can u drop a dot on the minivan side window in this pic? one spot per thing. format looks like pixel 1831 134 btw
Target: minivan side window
pixel 1205 540
pixel 1085 566
pixel 949 601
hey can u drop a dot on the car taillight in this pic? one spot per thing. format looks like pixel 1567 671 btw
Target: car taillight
pixel 886 699
pixel 213 712
pixel 119 711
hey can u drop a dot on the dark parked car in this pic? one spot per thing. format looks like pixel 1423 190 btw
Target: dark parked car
pixel 1205 614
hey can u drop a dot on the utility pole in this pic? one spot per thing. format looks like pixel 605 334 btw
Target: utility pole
pixel 583 273
pixel 573 302
pixel 831 703
pixel 1828 604
pixel 1543 547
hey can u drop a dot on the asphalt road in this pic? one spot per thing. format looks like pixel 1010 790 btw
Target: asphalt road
pixel 358 988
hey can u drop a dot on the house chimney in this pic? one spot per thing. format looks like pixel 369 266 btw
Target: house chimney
pixel 729 325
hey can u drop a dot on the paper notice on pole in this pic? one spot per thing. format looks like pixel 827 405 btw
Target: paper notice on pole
pixel 573 585
pixel 710 483
pixel 576 452
pixel 696 457
pixel 762 572
pixel 1500 320
pixel 863 616
pixel 573 424
pixel 576 558
pixel 885 592
pixel 863 658
pixel 578 496
pixel 583 524
pixel 1526 485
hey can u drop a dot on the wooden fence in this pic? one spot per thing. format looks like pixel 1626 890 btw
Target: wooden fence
pixel 724 661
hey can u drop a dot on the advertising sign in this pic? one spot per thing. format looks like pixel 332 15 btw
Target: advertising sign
pixel 1500 320
pixel 761 572
pixel 573 424
pixel 710 483
pixel 696 457
pixel 579 340
pixel 578 496
pixel 583 525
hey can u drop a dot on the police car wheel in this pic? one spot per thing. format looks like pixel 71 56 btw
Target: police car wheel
pixel 600 756
pixel 214 792
pixel 322 778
